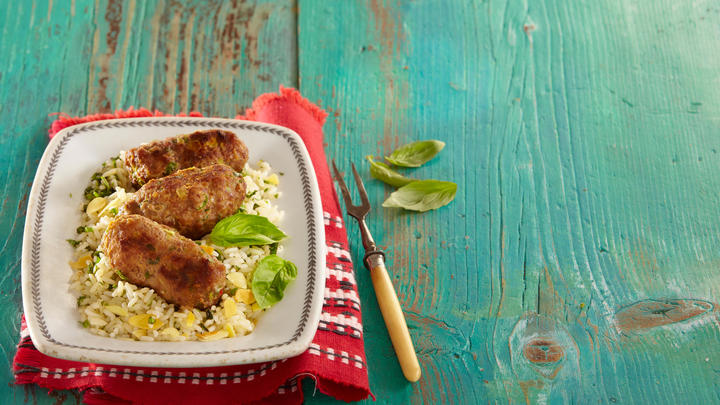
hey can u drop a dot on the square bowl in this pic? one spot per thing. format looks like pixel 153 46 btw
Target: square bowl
pixel 283 331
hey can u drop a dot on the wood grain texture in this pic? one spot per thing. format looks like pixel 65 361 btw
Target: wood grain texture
pixel 583 139
pixel 94 56
pixel 579 261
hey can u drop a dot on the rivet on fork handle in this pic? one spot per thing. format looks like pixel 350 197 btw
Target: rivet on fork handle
pixel 374 260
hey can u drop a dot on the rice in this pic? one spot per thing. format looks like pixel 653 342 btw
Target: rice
pixel 110 306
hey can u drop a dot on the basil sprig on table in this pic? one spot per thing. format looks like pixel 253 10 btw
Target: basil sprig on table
pixel 383 172
pixel 270 279
pixel 413 194
pixel 415 154
pixel 245 230
pixel 422 195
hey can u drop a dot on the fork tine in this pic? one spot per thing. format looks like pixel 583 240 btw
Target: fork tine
pixel 343 188
pixel 361 188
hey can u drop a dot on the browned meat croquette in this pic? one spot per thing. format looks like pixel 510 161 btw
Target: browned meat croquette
pixel 202 148
pixel 152 255
pixel 192 200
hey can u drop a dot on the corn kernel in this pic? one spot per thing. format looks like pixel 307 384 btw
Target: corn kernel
pixel 145 321
pixel 229 308
pixel 208 249
pixel 81 262
pixel 238 279
pixel 190 319
pixel 245 295
pixel 272 179
pixel 230 330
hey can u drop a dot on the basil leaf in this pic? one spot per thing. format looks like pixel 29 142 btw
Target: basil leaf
pixel 415 154
pixel 384 173
pixel 270 279
pixel 422 195
pixel 245 230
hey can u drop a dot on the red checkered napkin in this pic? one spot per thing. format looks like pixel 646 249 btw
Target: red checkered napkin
pixel 335 359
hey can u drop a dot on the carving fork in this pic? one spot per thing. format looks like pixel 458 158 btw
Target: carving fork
pixel 384 291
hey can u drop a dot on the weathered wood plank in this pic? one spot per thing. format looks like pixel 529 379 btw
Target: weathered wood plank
pixel 383 71
pixel 582 136
pixel 85 57
pixel 181 56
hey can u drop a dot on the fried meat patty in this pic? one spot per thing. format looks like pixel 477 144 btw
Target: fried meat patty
pixel 152 255
pixel 192 200
pixel 201 148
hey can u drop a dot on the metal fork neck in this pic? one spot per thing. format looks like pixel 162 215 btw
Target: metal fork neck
pixel 367 240
pixel 373 255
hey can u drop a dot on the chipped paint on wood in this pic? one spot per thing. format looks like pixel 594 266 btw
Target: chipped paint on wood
pixel 543 350
pixel 648 314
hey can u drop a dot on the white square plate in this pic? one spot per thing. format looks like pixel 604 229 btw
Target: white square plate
pixel 73 155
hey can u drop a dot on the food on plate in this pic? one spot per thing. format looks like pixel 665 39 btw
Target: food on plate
pixel 245 230
pixel 149 254
pixel 271 277
pixel 201 148
pixel 191 200
pixel 123 293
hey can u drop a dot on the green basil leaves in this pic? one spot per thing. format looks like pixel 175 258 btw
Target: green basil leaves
pixel 273 273
pixel 422 195
pixel 384 173
pixel 415 154
pixel 245 230
pixel 412 194
pixel 270 279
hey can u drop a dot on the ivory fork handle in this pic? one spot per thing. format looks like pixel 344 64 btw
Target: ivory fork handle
pixel 395 321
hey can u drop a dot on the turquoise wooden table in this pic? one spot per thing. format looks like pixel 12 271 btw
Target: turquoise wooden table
pixel 580 261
